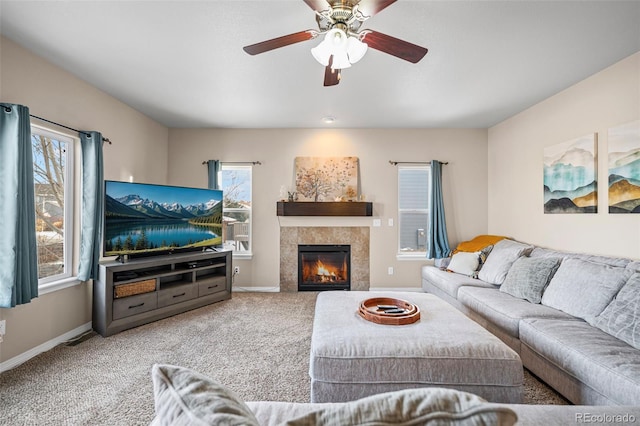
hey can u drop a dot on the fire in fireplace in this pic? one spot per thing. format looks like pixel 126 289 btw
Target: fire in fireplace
pixel 324 267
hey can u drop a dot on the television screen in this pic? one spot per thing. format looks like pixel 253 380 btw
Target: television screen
pixel 145 218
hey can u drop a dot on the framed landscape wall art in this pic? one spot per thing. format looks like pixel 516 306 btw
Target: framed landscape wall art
pixel 624 168
pixel 570 176
pixel 326 178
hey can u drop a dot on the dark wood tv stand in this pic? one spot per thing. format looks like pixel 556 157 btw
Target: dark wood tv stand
pixel 144 290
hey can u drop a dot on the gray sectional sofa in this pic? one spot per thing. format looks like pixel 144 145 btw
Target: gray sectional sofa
pixel 573 318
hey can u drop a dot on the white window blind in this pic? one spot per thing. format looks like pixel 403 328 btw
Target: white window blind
pixel 413 208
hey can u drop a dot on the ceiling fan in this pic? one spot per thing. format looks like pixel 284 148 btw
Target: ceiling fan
pixel 344 42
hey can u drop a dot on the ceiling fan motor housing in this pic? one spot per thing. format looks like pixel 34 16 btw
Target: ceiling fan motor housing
pixel 344 17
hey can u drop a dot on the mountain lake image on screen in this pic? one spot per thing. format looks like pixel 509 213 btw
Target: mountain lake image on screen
pixel 145 218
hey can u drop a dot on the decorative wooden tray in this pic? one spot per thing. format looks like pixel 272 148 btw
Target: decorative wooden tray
pixel 379 310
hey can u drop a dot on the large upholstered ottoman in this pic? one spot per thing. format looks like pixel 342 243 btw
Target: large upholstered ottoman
pixel 352 358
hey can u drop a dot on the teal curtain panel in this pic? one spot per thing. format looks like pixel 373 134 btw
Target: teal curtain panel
pixel 92 204
pixel 213 168
pixel 437 240
pixel 18 249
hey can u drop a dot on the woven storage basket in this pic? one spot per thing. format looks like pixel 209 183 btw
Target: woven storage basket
pixel 124 290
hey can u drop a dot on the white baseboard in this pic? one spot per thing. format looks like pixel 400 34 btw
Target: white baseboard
pixel 26 356
pixel 409 289
pixel 257 289
pixel 277 289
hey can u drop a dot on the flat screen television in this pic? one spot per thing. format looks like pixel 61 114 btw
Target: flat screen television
pixel 145 219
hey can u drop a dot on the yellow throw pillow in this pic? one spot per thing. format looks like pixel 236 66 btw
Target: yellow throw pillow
pixel 478 243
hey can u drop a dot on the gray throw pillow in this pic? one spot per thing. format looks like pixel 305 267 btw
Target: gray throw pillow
pixel 529 276
pixel 185 397
pixel 422 406
pixel 621 318
pixel 583 289
pixel 499 261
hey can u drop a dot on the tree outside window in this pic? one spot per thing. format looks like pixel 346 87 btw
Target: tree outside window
pixel 52 161
pixel 236 187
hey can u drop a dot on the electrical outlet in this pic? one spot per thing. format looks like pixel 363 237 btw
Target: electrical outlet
pixel 3 327
pixel 390 221
pixel 236 270
pixel 390 270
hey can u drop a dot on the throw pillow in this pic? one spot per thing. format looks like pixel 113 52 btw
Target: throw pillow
pixel 499 261
pixel 410 406
pixel 583 289
pixel 185 397
pixel 621 318
pixel 465 263
pixel 528 277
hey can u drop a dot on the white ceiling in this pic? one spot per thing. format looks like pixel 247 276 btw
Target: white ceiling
pixel 182 64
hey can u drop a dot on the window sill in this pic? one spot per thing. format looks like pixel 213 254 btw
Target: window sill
pixel 242 256
pixel 412 256
pixel 58 285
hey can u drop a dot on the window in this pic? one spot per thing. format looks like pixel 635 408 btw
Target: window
pixel 53 189
pixel 236 209
pixel 413 208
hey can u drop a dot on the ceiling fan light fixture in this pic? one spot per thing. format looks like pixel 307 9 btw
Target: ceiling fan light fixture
pixel 355 49
pixel 322 53
pixel 345 49
pixel 340 61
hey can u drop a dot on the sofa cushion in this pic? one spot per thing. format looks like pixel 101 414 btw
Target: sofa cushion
pixel 411 406
pixel 528 277
pixel 583 289
pixel 619 262
pixel 450 282
pixel 504 310
pixel 465 263
pixel 621 318
pixel 498 263
pixel 605 364
pixel 185 397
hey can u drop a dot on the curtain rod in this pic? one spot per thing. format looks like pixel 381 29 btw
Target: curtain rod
pixel 395 163
pixel 237 162
pixel 67 127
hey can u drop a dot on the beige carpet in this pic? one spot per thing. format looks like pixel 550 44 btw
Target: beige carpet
pixel 256 343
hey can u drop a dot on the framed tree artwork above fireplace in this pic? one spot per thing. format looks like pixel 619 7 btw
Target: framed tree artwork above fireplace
pixel 327 178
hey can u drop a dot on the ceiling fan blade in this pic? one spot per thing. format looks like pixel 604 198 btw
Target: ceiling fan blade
pixel 371 7
pixel 394 46
pixel 317 5
pixel 265 46
pixel 331 76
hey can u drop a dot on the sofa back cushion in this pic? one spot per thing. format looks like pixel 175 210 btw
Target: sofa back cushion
pixel 583 289
pixel 621 318
pixel 529 276
pixel 422 406
pixel 498 263
pixel 619 262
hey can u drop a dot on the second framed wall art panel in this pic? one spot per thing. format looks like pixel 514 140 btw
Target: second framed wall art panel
pixel 624 168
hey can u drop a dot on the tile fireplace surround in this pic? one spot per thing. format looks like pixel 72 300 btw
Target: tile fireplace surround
pixel 356 236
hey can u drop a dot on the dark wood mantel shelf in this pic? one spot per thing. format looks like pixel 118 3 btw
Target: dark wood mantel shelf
pixel 325 208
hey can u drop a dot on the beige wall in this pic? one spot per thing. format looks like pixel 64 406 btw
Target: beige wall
pixel 139 149
pixel 608 98
pixel 465 188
